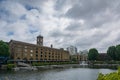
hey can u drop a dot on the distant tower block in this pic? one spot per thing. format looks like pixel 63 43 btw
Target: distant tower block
pixel 40 40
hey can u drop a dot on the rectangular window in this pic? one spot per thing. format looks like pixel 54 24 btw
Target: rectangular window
pixel 25 54
pixel 31 55
pixel 36 55
pixel 36 51
pixel 31 50
pixel 25 50
pixel 41 52
pixel 25 46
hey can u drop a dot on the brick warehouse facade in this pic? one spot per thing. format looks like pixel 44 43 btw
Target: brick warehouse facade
pixel 22 51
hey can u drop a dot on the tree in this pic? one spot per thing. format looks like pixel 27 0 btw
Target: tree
pixel 93 54
pixel 103 57
pixel 4 49
pixel 118 52
pixel 112 52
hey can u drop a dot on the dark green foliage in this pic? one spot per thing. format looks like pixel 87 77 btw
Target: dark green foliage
pixel 112 52
pixel 118 52
pixel 10 66
pixel 110 76
pixel 93 54
pixel 4 49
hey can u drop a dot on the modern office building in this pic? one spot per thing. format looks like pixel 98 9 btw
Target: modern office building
pixel 72 50
pixel 22 51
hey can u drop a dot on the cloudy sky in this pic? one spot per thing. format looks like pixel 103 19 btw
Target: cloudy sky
pixel 82 23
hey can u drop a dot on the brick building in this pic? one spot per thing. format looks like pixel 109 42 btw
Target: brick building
pixel 22 51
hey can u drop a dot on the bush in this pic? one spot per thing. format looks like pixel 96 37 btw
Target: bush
pixel 10 66
pixel 110 76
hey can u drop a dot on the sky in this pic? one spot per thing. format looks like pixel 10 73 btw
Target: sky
pixel 82 23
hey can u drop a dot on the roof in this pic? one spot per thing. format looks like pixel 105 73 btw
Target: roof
pixel 39 36
pixel 25 43
pixel 14 41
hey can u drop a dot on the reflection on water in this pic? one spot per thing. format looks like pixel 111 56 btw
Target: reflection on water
pixel 55 74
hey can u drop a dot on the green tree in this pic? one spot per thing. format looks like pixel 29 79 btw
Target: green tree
pixel 93 54
pixel 118 52
pixel 112 52
pixel 4 49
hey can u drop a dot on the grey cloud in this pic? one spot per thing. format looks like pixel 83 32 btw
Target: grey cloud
pixel 87 9
pixel 117 40
pixel 59 4
pixel 94 39
pixel 73 27
pixel 95 12
pixel 61 34
pixel 56 34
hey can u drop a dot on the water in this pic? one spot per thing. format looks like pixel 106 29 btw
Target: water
pixel 55 74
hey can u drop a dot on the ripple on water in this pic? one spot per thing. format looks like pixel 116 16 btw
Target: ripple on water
pixel 56 74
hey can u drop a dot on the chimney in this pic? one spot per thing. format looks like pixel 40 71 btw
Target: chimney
pixel 51 46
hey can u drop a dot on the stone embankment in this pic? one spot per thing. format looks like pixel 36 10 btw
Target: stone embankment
pixel 50 67
pixel 57 66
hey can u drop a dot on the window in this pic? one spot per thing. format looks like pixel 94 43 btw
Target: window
pixel 25 50
pixel 45 53
pixel 37 39
pixel 31 50
pixel 36 51
pixel 25 46
pixel 36 55
pixel 45 56
pixel 31 55
pixel 25 54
